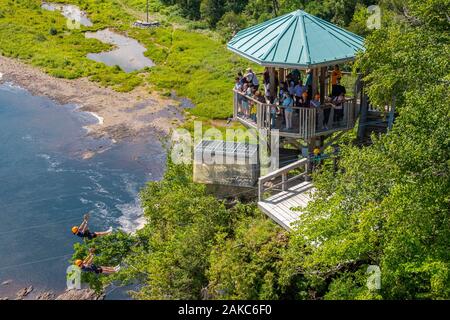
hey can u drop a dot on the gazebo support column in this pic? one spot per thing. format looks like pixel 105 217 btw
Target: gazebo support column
pixel 315 83
pixel 281 75
pixel 272 81
pixel 323 74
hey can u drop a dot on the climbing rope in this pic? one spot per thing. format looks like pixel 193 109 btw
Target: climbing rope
pixel 39 226
pixel 35 262
pixel 43 199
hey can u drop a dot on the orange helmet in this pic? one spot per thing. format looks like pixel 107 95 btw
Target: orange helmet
pixel 316 151
pixel 74 229
pixel 78 262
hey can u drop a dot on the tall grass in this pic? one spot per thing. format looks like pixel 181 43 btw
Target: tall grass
pixel 191 64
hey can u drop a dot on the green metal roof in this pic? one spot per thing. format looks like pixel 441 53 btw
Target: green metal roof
pixel 296 40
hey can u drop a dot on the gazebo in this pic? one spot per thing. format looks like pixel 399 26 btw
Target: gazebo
pixel 297 40
pixel 300 41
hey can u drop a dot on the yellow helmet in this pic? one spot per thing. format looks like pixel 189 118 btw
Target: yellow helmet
pixel 78 262
pixel 316 151
pixel 74 229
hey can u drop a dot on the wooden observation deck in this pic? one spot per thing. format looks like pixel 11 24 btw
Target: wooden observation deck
pixel 301 41
pixel 287 195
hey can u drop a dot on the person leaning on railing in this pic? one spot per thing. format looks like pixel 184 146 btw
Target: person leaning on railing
pixel 244 101
pixel 258 97
pixel 240 80
pixel 252 79
pixel 273 113
pixel 288 104
pixel 315 104
pixel 283 90
pixel 338 99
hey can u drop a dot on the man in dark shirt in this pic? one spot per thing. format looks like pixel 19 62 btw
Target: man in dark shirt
pixel 337 90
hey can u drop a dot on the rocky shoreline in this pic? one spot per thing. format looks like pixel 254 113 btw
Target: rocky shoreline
pixel 82 294
pixel 124 115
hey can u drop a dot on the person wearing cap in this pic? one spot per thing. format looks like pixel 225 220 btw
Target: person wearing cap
pixel 87 265
pixel 252 79
pixel 82 231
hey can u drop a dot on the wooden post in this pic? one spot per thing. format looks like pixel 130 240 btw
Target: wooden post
pixel 323 74
pixel 281 74
pixel 309 165
pixel 391 114
pixel 260 190
pixel 235 105
pixel 363 109
pixel 283 181
pixel 315 74
pixel 272 81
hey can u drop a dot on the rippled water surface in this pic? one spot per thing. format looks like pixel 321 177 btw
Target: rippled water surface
pixel 46 186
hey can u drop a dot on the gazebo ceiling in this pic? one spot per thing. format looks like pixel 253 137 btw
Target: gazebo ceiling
pixel 296 40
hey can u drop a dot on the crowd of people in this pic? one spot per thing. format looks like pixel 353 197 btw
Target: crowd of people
pixel 288 96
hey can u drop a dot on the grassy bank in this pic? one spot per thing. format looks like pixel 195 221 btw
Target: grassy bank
pixel 190 63
pixel 43 39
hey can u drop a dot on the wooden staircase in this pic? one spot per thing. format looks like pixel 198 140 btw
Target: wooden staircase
pixel 283 193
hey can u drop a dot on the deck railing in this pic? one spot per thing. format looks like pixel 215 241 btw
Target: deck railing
pixel 307 122
pixel 285 179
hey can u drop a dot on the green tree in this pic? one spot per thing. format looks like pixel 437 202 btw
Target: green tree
pixel 230 24
pixel 389 203
pixel 212 11
pixel 245 264
pixel 171 258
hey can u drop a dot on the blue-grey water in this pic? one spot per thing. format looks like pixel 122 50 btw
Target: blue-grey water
pixel 46 186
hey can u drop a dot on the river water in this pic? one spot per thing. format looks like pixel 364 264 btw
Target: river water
pixel 46 186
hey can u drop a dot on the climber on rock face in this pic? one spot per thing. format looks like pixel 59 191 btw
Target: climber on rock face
pixel 82 231
pixel 87 265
